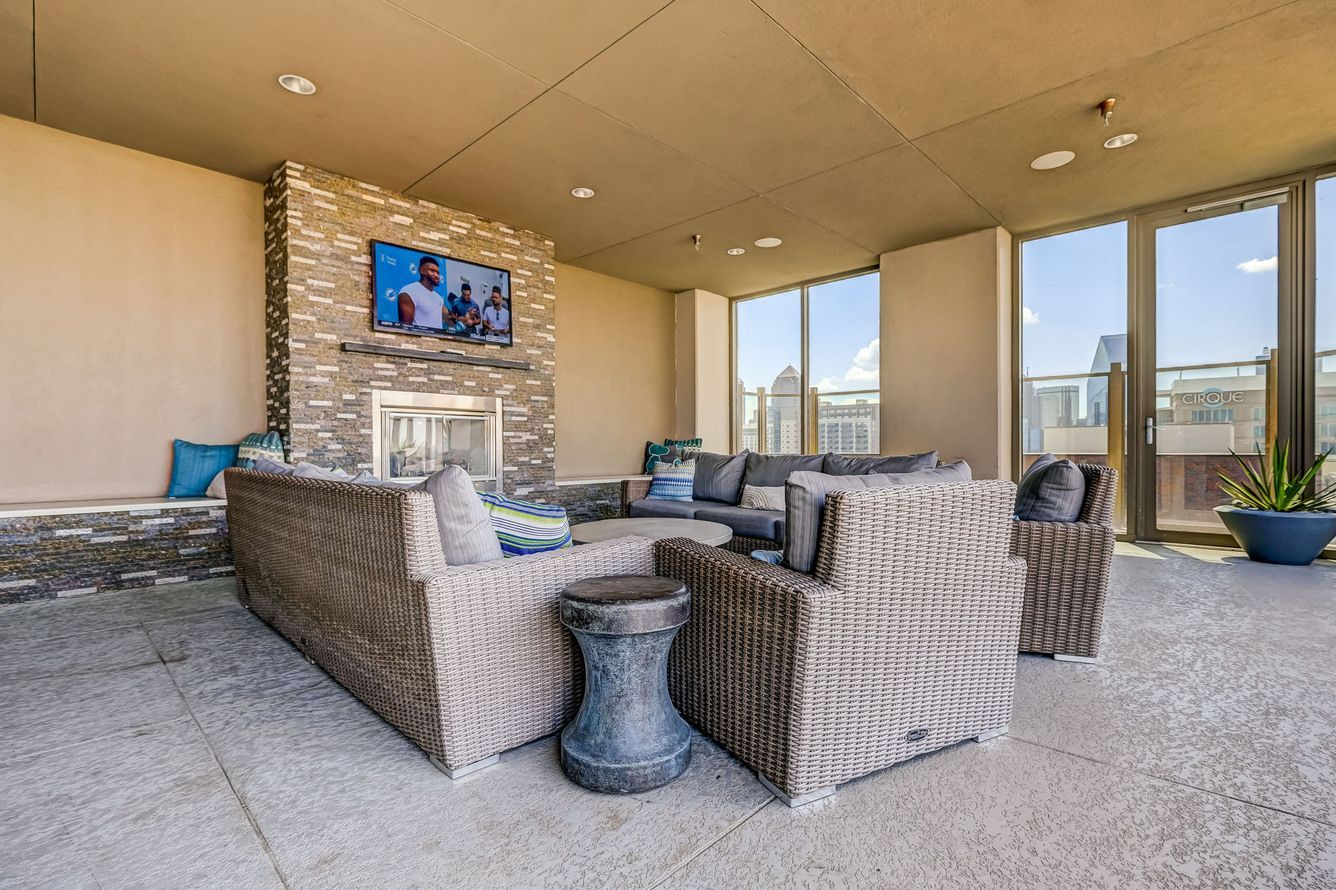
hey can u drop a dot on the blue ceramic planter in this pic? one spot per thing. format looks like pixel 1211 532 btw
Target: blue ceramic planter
pixel 1288 539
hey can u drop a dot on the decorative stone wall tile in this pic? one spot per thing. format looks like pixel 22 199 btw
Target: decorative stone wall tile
pixel 43 557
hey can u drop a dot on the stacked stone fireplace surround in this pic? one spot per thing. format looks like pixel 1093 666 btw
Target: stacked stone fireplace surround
pixel 318 232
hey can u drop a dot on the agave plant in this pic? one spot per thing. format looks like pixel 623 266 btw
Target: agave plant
pixel 1271 487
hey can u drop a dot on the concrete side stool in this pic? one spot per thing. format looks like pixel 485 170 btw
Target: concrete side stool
pixel 627 736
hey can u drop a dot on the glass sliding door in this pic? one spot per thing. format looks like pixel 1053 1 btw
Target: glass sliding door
pixel 1324 389
pixel 1073 343
pixel 1212 312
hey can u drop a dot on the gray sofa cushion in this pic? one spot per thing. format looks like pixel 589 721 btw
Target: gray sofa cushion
pixel 719 476
pixel 1052 490
pixel 466 528
pixel 805 497
pixel 766 524
pixel 773 469
pixel 843 465
pixel 666 509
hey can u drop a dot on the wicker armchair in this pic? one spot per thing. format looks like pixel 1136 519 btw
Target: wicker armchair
pixel 467 661
pixel 902 641
pixel 1067 573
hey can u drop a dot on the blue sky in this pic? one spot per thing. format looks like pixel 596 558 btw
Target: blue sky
pixel 845 348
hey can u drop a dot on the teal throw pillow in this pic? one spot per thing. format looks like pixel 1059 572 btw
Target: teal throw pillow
pixel 194 466
pixel 259 445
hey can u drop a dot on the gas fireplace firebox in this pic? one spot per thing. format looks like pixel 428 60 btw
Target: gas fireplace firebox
pixel 415 434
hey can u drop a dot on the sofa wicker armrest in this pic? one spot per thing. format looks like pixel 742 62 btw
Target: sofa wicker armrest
pixel 733 667
pixel 506 670
pixel 1066 583
pixel 633 490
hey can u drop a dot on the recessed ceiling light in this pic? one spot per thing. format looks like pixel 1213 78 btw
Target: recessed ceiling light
pixel 768 242
pixel 295 83
pixel 736 251
pixel 581 192
pixel 1120 140
pixel 1053 160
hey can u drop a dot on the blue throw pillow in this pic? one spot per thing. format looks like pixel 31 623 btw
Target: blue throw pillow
pixel 194 466
pixel 524 527
pixel 672 483
pixel 258 445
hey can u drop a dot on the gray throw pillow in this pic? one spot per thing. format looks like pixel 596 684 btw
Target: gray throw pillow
pixel 769 470
pixel 1052 490
pixel 805 500
pixel 718 476
pixel 277 467
pixel 844 465
pixel 464 523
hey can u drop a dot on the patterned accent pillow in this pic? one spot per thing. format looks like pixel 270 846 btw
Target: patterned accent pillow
pixel 685 443
pixel 524 527
pixel 661 454
pixel 672 482
pixel 258 445
pixel 762 497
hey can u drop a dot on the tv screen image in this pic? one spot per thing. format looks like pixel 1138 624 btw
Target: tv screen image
pixel 433 295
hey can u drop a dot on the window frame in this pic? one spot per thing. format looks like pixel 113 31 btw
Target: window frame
pixel 805 421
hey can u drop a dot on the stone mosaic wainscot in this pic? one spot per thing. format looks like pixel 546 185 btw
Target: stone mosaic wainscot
pixel 44 557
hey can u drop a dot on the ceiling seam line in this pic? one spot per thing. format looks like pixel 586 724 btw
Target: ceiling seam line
pixel 842 82
pixel 1137 60
pixel 680 222
pixel 547 89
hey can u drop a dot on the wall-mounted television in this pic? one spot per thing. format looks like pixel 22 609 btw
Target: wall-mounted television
pixel 431 294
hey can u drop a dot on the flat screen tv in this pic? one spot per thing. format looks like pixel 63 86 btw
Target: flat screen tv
pixel 431 294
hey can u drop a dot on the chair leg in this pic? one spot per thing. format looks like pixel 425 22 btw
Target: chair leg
pixel 1080 659
pixel 468 768
pixel 992 734
pixel 801 800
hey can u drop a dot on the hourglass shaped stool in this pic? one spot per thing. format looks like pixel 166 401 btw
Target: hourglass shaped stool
pixel 627 735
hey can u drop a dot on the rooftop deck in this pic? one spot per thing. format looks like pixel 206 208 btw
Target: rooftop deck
pixel 166 737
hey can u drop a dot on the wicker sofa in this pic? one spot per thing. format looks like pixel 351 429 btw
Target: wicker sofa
pixel 467 661
pixel 1067 573
pixel 902 640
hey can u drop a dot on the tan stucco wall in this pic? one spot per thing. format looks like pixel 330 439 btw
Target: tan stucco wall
pixel 131 313
pixel 703 368
pixel 946 334
pixel 615 372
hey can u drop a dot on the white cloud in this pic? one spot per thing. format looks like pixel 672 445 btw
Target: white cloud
pixel 1029 316
pixel 1255 266
pixel 864 373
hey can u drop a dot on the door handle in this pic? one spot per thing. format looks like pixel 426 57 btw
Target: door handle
pixel 1150 430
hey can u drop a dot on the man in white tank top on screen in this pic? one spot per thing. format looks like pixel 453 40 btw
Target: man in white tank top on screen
pixel 419 304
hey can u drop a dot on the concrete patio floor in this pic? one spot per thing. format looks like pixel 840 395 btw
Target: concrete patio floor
pixel 167 738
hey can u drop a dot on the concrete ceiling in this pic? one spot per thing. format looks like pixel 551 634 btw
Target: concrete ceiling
pixel 846 128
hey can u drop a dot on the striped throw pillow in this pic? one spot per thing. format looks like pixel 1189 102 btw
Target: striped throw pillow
pixel 672 482
pixel 524 527
pixel 258 445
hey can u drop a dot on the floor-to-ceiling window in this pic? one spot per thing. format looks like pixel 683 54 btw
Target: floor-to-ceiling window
pixel 1203 310
pixel 1074 345
pixel 807 368
pixel 1324 390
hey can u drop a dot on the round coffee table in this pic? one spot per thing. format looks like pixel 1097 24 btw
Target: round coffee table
pixel 627 737
pixel 715 534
